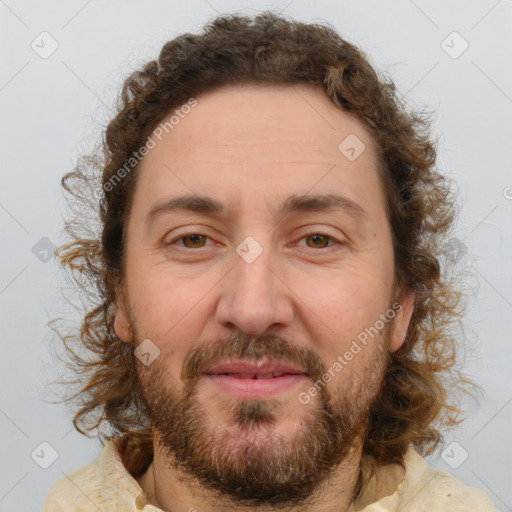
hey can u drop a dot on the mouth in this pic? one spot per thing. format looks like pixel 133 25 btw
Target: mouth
pixel 254 379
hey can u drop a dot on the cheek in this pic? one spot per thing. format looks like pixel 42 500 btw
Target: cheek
pixel 346 304
pixel 169 311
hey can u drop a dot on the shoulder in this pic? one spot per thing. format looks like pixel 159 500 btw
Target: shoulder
pixel 425 488
pixel 78 491
pixel 98 485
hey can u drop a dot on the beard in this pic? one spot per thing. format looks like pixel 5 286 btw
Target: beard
pixel 248 458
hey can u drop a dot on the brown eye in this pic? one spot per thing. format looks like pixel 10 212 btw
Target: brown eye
pixel 317 241
pixel 193 241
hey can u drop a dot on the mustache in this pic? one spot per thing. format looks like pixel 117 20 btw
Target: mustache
pixel 201 357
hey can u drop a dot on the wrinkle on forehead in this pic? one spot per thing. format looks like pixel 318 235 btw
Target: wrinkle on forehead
pixel 252 116
pixel 263 142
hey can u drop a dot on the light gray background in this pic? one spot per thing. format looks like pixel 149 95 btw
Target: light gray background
pixel 52 110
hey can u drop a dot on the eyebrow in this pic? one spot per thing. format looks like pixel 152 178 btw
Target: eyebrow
pixel 309 203
pixel 303 203
pixel 193 203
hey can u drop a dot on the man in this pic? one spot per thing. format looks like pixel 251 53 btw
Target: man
pixel 273 331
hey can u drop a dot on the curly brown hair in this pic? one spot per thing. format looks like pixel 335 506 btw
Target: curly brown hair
pixel 269 49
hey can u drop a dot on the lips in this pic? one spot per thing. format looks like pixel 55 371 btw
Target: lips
pixel 253 370
pixel 253 376
pixel 257 380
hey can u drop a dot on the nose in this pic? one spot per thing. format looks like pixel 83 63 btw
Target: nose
pixel 254 298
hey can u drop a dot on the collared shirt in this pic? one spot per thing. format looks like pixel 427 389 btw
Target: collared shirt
pixel 105 485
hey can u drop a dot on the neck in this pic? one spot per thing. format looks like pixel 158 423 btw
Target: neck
pixel 173 490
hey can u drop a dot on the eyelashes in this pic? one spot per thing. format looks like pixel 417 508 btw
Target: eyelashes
pixel 195 240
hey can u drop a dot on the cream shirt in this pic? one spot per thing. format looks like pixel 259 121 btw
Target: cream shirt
pixel 105 485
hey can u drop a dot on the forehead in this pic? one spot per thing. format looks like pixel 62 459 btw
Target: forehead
pixel 259 140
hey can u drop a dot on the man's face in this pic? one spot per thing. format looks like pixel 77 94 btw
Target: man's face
pixel 266 282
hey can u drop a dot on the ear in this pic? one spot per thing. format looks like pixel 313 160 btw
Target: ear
pixel 122 321
pixel 404 309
